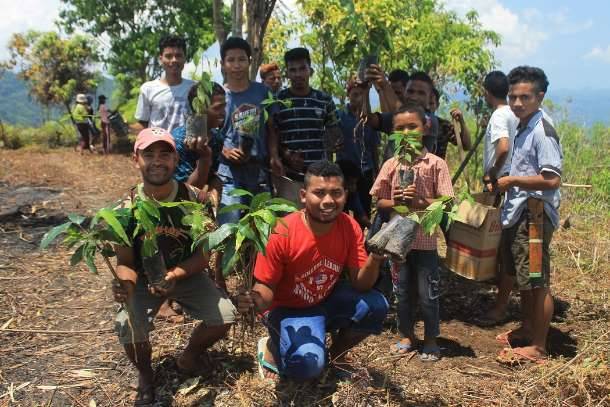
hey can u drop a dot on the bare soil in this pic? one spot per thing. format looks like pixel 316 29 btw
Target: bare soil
pixel 57 345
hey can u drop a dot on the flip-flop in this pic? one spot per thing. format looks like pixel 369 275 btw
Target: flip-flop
pixel 401 348
pixel 430 354
pixel 262 363
pixel 505 339
pixel 514 357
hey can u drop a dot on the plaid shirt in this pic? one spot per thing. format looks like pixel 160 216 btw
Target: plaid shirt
pixel 432 180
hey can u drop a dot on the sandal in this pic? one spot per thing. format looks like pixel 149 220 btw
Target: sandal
pixel 509 339
pixel 515 357
pixel 430 354
pixel 262 363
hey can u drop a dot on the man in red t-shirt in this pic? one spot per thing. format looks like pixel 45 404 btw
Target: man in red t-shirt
pixel 315 278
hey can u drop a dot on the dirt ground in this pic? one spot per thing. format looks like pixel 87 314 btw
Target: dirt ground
pixel 57 345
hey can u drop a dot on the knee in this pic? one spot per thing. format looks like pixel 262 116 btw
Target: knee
pixel 378 306
pixel 304 367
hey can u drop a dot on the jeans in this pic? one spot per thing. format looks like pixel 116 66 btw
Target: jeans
pixel 298 335
pixel 226 198
pixel 419 272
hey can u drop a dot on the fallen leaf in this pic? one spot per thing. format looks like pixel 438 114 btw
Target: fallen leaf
pixel 188 386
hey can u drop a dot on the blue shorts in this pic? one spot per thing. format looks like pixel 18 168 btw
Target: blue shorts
pixel 298 335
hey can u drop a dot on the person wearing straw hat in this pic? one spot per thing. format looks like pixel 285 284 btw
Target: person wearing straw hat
pixel 80 113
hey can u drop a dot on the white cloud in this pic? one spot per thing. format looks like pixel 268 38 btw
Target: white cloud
pixel 23 15
pixel 600 54
pixel 520 36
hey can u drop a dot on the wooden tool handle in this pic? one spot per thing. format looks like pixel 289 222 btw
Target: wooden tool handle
pixel 535 208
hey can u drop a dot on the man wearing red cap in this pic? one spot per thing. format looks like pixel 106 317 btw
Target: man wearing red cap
pixel 185 282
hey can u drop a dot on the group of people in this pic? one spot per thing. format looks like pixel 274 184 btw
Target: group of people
pixel 316 276
pixel 85 120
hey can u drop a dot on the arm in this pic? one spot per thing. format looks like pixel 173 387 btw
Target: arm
pixel 464 132
pixel 123 289
pixel 388 100
pixel 364 279
pixel 502 147
pixel 259 299
pixel 200 176
pixel 540 182
pixel 273 145
pixel 193 265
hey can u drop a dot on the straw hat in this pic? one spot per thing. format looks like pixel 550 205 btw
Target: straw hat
pixel 81 98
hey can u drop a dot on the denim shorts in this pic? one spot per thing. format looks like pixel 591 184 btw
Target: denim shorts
pixel 298 335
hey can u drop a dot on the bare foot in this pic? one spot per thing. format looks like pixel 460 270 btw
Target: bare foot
pixel 513 337
pixel 167 312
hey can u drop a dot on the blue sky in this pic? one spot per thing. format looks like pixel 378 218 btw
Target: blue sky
pixel 569 40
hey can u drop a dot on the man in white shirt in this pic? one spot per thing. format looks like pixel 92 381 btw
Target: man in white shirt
pixel 164 102
pixel 498 140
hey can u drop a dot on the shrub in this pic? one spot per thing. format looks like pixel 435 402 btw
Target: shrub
pixel 52 134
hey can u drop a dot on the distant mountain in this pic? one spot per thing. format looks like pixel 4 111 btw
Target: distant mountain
pixel 584 106
pixel 17 107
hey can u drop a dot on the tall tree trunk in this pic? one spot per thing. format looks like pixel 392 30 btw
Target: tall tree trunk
pixel 219 28
pixel 237 18
pixel 258 15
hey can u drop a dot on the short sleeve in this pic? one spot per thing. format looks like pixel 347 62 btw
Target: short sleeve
pixel 500 123
pixel 444 186
pixel 143 107
pixel 382 187
pixel 356 257
pixel 269 268
pixel 548 150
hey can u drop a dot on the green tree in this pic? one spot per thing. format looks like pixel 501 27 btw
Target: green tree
pixel 416 35
pixel 134 28
pixel 55 68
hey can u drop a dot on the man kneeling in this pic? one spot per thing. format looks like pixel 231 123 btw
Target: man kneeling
pixel 156 158
pixel 301 284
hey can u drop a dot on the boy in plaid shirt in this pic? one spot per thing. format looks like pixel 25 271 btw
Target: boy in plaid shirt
pixel 419 275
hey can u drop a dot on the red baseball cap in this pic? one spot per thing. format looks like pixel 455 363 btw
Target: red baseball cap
pixel 151 135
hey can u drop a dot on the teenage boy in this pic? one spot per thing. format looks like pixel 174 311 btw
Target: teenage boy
pixel 155 156
pixel 303 123
pixel 419 275
pixel 195 160
pixel 533 181
pixel 163 102
pixel 248 140
pixel 360 141
pixel 498 140
pixel 299 283
pixel 398 79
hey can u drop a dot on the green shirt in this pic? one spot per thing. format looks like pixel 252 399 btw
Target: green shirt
pixel 80 113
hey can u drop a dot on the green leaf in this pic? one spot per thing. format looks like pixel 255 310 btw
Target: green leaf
pixel 401 209
pixel 150 208
pixel 77 219
pixel 53 233
pixel 113 222
pixel 281 201
pixel 281 208
pixel 239 238
pixel 264 230
pixel 215 239
pixel 233 207
pixel 77 257
pixel 266 215
pixel 240 192
pixel 259 200
pixel 229 258
pixel 89 256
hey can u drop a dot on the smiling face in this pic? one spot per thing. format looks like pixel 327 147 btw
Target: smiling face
pixel 172 60
pixel 324 198
pixel 524 99
pixel 216 111
pixel 157 163
pixel 273 80
pixel 236 64
pixel 298 72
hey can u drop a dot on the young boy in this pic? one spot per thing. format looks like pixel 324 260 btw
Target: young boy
pixel 419 275
pixel 532 195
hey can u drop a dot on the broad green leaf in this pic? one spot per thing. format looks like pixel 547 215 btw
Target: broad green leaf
pixel 233 207
pixel 149 207
pixel 89 256
pixel 401 209
pixel 229 258
pixel 281 201
pixel 240 192
pixel 239 238
pixel 259 200
pixel 264 230
pixel 218 236
pixel 114 223
pixel 77 257
pixel 282 208
pixel 53 233
pixel 266 215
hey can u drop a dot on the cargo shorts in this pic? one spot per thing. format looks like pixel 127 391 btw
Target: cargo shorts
pixel 514 251
pixel 198 296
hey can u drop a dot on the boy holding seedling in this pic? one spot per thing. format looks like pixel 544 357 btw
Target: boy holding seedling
pixel 185 282
pixel 249 140
pixel 530 212
pixel 163 102
pixel 299 283
pixel 419 275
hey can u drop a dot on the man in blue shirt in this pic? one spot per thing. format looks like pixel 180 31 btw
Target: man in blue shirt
pixel 535 173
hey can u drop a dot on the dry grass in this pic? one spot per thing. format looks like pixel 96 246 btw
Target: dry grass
pixel 38 291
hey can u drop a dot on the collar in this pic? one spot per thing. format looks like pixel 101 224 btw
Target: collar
pixel 170 198
pixel 533 121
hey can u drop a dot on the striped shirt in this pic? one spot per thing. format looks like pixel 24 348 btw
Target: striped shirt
pixel 302 125
pixel 432 180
